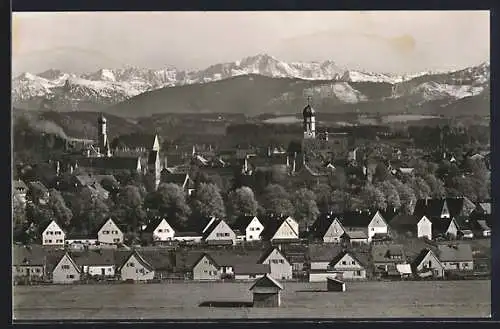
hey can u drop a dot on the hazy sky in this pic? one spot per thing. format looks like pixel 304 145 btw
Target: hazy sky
pixel 396 41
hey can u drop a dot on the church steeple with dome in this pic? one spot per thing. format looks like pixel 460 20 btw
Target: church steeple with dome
pixel 309 120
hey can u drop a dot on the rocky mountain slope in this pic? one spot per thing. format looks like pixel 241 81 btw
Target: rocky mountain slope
pixel 254 85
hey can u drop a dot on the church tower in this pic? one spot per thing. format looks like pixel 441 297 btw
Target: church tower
pixel 103 137
pixel 309 120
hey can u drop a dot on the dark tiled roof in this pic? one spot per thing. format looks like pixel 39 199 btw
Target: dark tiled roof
pixel 267 252
pixel 153 224
pixel 440 225
pixel 359 257
pixel 138 255
pixel 381 253
pixel 178 179
pixel 117 163
pixel 242 222
pixel 420 257
pixel 323 253
pixel 39 185
pixel 135 141
pixel 405 220
pixel 252 268
pixel 321 225
pixel 153 155
pixel 455 252
pixel 356 219
pixel 272 225
pixel 266 281
pixel 28 255
pixel 94 257
pixel 433 207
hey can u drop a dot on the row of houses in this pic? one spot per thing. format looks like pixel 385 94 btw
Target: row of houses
pixel 319 262
pixel 348 227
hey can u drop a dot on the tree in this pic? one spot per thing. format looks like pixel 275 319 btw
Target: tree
pixel 323 194
pixel 436 185
pixel 420 188
pixel 62 213
pixel 381 173
pixel 390 193
pixel 338 180
pixel 169 200
pixel 89 211
pixel 208 201
pixel 242 202
pixel 129 208
pixel 19 220
pixel 305 207
pixel 372 197
pixel 340 201
pixel 276 200
pixel 406 195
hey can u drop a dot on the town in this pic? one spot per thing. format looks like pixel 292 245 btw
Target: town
pixel 317 204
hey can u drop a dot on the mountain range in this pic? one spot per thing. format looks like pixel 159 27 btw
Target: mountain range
pixel 253 85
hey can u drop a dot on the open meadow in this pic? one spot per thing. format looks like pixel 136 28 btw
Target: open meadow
pixel 299 300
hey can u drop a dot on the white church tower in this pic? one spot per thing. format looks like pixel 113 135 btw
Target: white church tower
pixel 103 141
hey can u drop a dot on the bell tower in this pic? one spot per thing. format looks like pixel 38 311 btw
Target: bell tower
pixel 309 120
pixel 103 136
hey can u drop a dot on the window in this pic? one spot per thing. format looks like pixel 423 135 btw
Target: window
pixel 105 232
pixel 282 261
pixel 167 230
pixel 205 271
pixel 131 264
pixel 373 229
pixel 358 273
pixel 252 276
pixel 50 241
pixel 37 270
pixel 116 240
pixel 109 270
pixel 226 234
pixel 250 237
pixel 70 276
pixel 353 263
pixel 344 262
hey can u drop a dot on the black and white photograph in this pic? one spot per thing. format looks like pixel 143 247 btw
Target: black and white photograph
pixel 251 165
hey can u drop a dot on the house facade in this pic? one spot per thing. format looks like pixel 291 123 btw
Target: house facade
pixel 417 226
pixel 349 266
pixel 427 264
pixel 219 232
pixel 160 230
pixel 110 233
pixel 456 257
pixel 335 232
pixel 53 235
pixel 66 271
pixel 377 225
pixel 136 268
pixel 280 267
pixel 206 269
pixel 251 227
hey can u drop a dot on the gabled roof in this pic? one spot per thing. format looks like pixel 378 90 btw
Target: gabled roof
pixel 483 224
pixel 405 220
pixel 139 258
pixel 455 252
pixel 356 219
pixel 94 257
pixel 485 207
pixel 153 224
pixel 272 225
pixel 420 257
pixel 434 207
pixel 52 221
pixel 28 255
pixel 116 163
pixel 356 256
pixel 323 253
pixel 441 225
pixel 252 269
pixel 212 227
pixel 268 252
pixel 136 140
pixel 71 260
pixel 381 253
pixel 266 281
pixel 181 179
pixel 322 224
pixel 104 222
pixel 242 222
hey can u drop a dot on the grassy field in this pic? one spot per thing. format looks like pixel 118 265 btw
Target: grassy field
pixel 299 300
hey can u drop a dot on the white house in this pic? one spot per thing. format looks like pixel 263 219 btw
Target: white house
pixel 349 265
pixel 160 230
pixel 280 267
pixel 250 226
pixel 280 229
pixel 328 229
pixel 370 225
pixel 219 233
pixel 136 268
pixel 96 262
pixel 420 227
pixel 110 233
pixel 377 226
pixel 66 270
pixel 53 235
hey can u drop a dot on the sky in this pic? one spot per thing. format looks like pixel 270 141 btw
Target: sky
pixel 380 41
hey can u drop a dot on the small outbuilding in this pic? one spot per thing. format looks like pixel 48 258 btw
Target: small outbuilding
pixel 266 292
pixel 334 284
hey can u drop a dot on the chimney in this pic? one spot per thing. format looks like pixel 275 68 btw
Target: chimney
pixel 294 162
pixel 426 201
